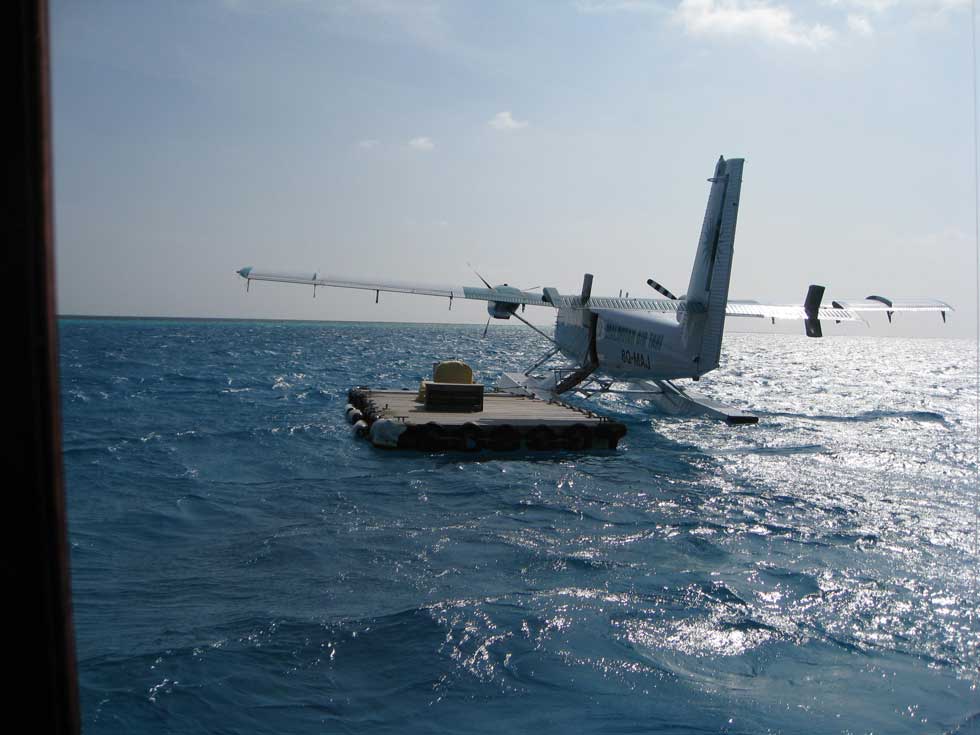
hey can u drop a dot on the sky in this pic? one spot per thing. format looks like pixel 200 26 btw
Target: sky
pixel 533 142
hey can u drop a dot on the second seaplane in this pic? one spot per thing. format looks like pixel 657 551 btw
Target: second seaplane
pixel 648 343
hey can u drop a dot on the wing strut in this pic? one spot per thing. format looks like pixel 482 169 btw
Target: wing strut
pixel 591 362
pixel 518 316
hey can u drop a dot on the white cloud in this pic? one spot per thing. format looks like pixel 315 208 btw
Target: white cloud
pixel 901 15
pixel 779 21
pixel 913 15
pixel 913 8
pixel 368 143
pixel 748 18
pixel 860 25
pixel 505 121
pixel 422 143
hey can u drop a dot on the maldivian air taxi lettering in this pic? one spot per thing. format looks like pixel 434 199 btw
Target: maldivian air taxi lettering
pixel 635 358
pixel 633 337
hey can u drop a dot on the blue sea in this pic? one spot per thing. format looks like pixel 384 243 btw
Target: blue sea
pixel 242 564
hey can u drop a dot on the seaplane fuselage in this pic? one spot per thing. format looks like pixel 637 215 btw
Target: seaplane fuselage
pixel 630 345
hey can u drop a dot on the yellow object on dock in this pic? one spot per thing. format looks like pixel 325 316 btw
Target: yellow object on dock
pixel 452 371
pixel 447 371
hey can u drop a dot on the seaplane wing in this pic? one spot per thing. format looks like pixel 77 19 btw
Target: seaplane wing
pixel 841 310
pixel 499 294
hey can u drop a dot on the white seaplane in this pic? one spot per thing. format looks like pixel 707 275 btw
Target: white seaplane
pixel 647 343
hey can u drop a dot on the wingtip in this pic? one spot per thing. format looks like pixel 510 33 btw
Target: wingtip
pixel 243 272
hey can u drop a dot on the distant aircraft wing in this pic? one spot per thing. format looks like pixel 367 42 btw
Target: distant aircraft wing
pixel 843 311
pixel 672 306
pixel 811 312
pixel 506 294
pixel 881 303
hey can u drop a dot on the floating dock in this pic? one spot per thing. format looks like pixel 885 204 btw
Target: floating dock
pixel 504 421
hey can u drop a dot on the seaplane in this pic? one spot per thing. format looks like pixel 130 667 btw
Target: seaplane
pixel 648 344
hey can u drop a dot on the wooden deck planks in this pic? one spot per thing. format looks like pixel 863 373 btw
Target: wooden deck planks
pixel 498 408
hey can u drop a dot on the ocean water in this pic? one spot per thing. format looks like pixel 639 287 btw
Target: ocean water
pixel 242 564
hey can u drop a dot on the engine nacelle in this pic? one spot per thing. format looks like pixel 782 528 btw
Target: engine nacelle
pixel 502 309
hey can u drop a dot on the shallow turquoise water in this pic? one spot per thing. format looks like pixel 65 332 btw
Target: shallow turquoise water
pixel 242 564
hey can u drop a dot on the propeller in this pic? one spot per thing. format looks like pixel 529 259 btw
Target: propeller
pixel 660 289
pixel 485 282
pixel 493 307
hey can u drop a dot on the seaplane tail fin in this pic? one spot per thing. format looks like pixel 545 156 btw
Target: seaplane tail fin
pixel 712 270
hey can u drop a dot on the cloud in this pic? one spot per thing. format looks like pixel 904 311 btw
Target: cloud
pixel 368 143
pixel 422 143
pixel 778 21
pixel 911 15
pixel 747 18
pixel 505 121
pixel 915 8
pixel 860 25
